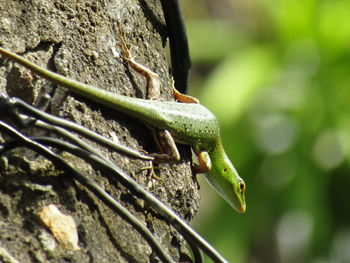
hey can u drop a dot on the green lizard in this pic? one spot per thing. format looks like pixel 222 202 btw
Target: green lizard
pixel 188 123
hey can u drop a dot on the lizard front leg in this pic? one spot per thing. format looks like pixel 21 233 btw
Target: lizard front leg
pixel 204 163
pixel 184 97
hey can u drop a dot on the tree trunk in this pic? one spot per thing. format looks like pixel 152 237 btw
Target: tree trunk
pixel 78 39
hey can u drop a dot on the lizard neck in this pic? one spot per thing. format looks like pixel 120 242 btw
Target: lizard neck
pixel 224 177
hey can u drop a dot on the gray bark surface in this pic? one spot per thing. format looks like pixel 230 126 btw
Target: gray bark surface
pixel 78 39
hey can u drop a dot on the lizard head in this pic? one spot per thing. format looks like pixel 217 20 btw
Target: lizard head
pixel 225 179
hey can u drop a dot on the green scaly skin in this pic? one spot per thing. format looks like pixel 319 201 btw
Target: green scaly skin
pixel 188 123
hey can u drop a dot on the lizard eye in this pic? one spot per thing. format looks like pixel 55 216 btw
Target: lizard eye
pixel 242 187
pixel 225 170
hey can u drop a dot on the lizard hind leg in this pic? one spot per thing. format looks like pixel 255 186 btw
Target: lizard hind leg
pixel 153 81
pixel 151 172
pixel 163 138
pixel 152 78
pixel 167 146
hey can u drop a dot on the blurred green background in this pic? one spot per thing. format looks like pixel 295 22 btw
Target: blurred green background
pixel 277 75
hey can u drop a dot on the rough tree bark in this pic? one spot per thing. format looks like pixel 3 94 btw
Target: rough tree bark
pixel 77 39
